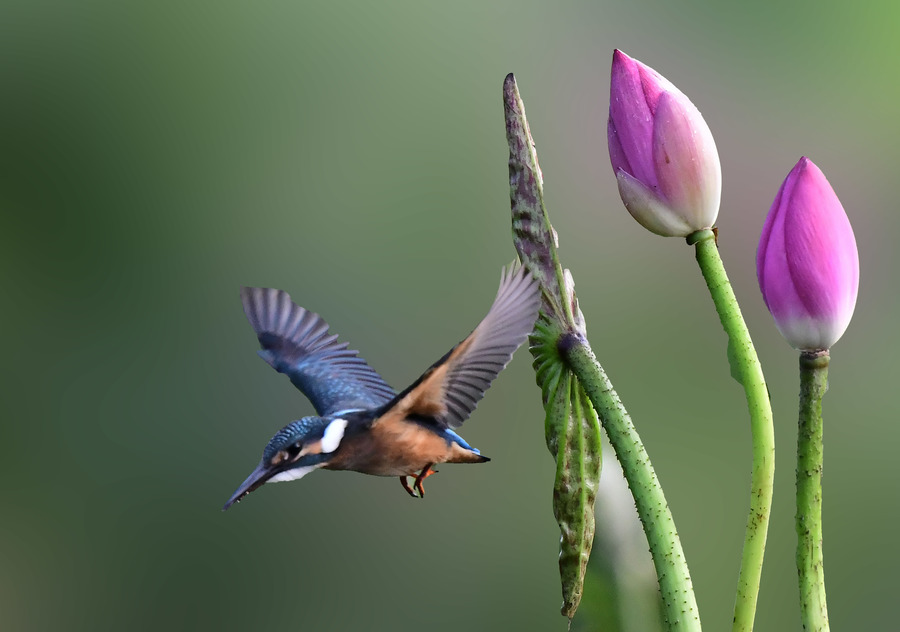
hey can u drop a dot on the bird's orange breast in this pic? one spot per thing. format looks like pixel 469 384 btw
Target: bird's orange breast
pixel 397 447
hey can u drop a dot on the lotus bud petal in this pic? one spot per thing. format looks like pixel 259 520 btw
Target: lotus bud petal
pixel 662 152
pixel 807 263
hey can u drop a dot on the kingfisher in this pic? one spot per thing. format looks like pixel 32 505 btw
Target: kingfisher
pixel 362 424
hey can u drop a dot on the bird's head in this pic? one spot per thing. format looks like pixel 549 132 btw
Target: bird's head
pixel 296 450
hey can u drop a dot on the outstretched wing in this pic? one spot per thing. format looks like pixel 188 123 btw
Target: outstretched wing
pixel 296 342
pixel 449 391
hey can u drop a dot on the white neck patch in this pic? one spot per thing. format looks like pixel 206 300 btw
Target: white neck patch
pixel 333 434
pixel 292 475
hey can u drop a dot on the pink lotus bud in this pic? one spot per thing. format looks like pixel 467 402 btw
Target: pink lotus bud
pixel 662 152
pixel 807 263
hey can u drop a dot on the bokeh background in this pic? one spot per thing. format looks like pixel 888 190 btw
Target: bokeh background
pixel 156 156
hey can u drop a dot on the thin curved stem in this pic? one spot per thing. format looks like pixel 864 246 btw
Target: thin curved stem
pixel 746 369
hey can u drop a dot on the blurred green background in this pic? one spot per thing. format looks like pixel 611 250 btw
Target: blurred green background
pixel 156 156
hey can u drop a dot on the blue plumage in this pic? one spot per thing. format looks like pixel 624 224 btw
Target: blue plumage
pixel 459 440
pixel 296 342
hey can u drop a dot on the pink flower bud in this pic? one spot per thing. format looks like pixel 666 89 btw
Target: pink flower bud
pixel 662 152
pixel 807 263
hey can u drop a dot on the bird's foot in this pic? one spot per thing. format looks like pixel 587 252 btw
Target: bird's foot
pixel 405 483
pixel 425 473
pixel 417 485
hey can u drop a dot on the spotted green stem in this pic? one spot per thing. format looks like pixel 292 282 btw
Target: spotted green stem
pixel 675 584
pixel 813 384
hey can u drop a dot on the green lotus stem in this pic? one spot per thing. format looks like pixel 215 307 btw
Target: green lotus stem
pixel 675 584
pixel 746 369
pixel 813 384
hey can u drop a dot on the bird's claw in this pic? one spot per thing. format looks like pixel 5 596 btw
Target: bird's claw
pixel 417 485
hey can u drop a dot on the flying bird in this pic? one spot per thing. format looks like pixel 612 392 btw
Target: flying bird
pixel 362 424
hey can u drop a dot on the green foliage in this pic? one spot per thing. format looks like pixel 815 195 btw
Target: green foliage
pixel 573 438
pixel 578 396
pixel 571 424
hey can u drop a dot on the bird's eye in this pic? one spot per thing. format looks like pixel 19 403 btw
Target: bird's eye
pixel 290 453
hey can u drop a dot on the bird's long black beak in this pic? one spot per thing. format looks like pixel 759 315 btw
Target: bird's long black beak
pixel 257 478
